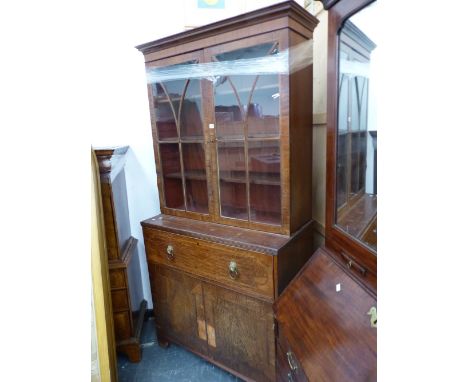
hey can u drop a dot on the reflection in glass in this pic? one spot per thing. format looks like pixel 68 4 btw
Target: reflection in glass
pixel 356 160
pixel 246 108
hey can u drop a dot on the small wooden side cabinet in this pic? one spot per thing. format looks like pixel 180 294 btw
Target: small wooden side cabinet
pixel 121 248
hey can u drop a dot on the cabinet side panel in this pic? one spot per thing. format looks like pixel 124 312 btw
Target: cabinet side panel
pixel 119 192
pixel 109 221
pixel 300 125
pixel 293 256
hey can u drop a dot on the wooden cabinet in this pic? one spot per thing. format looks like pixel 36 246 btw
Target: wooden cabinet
pixel 213 288
pixel 224 326
pixel 326 329
pixel 121 248
pixel 233 147
pixel 327 316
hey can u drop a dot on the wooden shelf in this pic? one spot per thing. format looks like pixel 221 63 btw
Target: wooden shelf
pixel 250 138
pixel 191 174
pixel 165 100
pixel 194 139
pixel 255 178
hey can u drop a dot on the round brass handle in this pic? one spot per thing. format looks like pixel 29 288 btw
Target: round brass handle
pixel 233 271
pixel 170 252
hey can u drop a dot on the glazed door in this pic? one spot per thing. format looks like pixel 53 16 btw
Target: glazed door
pixel 176 105
pixel 240 332
pixel 247 126
pixel 179 310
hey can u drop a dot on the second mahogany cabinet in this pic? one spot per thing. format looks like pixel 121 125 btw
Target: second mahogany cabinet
pixel 231 114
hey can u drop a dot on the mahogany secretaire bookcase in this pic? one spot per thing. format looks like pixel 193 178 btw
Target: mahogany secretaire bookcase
pixel 233 155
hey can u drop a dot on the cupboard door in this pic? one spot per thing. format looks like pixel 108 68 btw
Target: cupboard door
pixel 247 128
pixel 178 133
pixel 240 332
pixel 179 310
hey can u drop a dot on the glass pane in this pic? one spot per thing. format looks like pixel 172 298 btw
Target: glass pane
pixel 264 178
pixel 196 191
pixel 165 113
pixel 248 106
pixel 263 111
pixel 191 126
pixel 246 98
pixel 356 161
pixel 341 169
pixel 254 51
pixel 231 96
pixel 232 178
pixel 172 177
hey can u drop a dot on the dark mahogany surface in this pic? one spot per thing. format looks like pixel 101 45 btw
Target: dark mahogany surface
pixel 328 331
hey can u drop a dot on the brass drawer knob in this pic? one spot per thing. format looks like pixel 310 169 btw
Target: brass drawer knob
pixel 233 271
pixel 170 252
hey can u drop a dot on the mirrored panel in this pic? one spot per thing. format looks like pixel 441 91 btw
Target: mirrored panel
pixel 356 161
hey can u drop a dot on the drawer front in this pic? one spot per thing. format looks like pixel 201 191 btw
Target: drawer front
pixel 119 300
pixel 235 268
pixel 122 326
pixel 117 278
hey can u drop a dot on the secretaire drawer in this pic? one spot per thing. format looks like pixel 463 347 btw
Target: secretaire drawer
pixel 241 269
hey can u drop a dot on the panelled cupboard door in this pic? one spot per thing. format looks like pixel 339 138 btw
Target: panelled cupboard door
pixel 240 332
pixel 178 126
pixel 179 307
pixel 249 114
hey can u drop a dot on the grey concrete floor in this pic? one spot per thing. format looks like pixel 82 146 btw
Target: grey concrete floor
pixel 171 364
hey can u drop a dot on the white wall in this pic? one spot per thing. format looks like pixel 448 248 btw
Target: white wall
pixel 118 93
pixel 121 96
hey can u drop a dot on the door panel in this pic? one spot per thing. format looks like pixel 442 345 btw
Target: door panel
pixel 240 332
pixel 249 112
pixel 179 307
pixel 177 112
